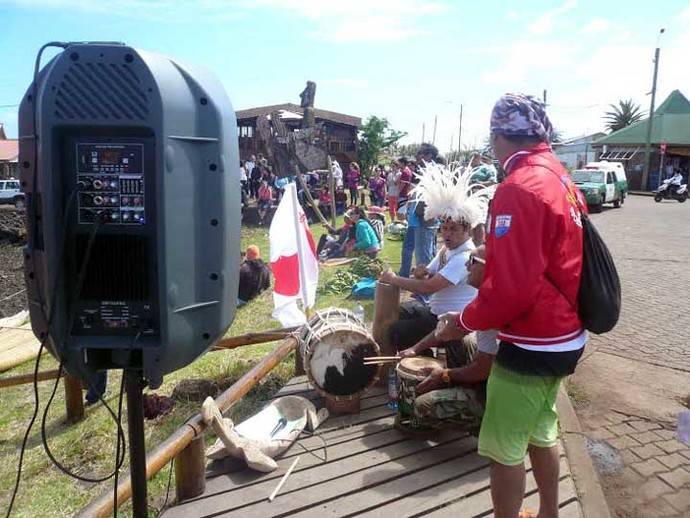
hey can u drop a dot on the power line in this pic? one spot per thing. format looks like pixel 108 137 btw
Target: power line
pixel 8 105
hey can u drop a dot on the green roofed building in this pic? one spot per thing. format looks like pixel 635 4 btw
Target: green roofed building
pixel 670 143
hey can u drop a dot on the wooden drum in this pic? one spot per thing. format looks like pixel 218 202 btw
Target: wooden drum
pixel 411 371
pixel 333 344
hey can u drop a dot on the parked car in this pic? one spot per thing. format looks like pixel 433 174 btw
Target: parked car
pixel 599 187
pixel 10 193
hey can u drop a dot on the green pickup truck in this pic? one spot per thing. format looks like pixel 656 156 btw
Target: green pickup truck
pixel 600 186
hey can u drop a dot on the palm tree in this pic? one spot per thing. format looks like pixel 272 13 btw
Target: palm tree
pixel 625 114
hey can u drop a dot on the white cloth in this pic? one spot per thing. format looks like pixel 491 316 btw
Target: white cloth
pixel 293 260
pixel 337 174
pixel 250 166
pixel 243 174
pixel 393 183
pixel 456 296
pixel 487 341
pixel 676 179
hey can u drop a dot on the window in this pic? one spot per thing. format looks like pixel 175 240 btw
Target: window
pixel 609 178
pixel 246 131
pixel 334 146
pixel 12 185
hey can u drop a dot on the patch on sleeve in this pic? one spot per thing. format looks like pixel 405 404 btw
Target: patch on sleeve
pixel 502 224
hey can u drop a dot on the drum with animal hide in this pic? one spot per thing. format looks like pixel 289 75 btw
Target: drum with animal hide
pixel 333 345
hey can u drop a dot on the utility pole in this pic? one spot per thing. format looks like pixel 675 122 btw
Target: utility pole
pixel 648 141
pixel 460 132
pixel 423 129
pixel 544 96
pixel 452 139
pixel 433 139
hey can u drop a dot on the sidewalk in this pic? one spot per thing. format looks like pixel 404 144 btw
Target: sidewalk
pixel 630 433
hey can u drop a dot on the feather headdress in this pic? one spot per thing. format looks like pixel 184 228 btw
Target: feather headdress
pixel 449 193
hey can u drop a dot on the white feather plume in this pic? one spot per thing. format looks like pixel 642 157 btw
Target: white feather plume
pixel 448 192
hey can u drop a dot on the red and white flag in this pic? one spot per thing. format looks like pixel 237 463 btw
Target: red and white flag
pixel 293 260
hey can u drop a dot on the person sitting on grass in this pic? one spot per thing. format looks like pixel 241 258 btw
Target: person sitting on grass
pixel 337 242
pixel 367 240
pixel 255 276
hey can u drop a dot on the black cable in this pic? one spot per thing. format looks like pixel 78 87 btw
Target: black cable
pixel 34 100
pixel 45 336
pixel 32 222
pixel 120 432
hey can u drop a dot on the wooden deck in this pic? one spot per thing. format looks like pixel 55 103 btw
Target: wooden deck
pixel 372 470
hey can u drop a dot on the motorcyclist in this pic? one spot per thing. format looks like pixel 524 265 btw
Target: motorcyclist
pixel 675 182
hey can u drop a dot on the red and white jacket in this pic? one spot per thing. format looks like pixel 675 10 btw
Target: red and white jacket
pixel 533 258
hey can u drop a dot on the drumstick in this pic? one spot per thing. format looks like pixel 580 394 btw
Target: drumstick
pixel 372 358
pixel 282 480
pixel 381 362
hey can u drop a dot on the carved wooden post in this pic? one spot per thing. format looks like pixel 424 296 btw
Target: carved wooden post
pixel 331 187
pixel 190 468
pixel 73 399
pixel 386 311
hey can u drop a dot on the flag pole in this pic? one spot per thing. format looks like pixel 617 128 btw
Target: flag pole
pixel 300 245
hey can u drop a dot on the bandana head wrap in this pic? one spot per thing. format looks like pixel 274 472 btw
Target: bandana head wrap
pixel 521 115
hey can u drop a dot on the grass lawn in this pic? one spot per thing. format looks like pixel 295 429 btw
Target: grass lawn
pixel 89 447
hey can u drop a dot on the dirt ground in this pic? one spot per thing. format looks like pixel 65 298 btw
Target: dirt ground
pixel 12 298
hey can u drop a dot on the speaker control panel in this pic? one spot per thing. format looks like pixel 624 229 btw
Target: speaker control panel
pixel 111 183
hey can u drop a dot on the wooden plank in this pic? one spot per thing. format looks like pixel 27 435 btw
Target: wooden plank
pixel 571 510
pixel 566 494
pixel 315 442
pixel 324 482
pixel 477 501
pixel 335 452
pixel 394 497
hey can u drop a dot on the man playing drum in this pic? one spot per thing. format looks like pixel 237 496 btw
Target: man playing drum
pixel 459 393
pixel 449 197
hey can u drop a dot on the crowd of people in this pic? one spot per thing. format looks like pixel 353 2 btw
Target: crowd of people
pixel 499 295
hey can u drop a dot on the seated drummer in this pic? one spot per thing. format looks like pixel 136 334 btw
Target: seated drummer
pixel 459 393
pixel 443 280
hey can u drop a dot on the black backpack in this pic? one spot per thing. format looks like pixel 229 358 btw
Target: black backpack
pixel 599 295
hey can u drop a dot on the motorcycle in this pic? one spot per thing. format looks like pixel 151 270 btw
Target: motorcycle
pixel 665 192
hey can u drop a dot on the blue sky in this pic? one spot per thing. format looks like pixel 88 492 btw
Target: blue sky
pixel 407 60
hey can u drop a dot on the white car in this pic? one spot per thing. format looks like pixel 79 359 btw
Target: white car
pixel 10 193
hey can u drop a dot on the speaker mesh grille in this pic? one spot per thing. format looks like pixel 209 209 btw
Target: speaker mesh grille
pixel 100 91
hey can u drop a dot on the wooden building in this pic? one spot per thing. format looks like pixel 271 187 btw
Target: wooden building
pixel 341 130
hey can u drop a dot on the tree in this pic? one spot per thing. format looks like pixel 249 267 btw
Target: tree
pixel 625 114
pixel 375 137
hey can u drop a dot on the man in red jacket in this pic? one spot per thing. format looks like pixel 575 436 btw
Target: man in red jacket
pixel 529 293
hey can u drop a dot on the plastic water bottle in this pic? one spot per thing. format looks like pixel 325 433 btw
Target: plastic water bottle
pixel 684 427
pixel 359 312
pixel 392 389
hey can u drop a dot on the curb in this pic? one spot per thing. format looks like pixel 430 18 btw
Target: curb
pixel 641 193
pixel 587 484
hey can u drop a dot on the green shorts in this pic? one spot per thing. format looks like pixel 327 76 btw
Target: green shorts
pixel 520 410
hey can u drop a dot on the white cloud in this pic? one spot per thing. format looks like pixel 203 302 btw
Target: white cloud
pixel 361 20
pixel 331 20
pixel 596 26
pixel 347 82
pixel 544 25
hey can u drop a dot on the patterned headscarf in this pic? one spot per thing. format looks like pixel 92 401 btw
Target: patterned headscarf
pixel 521 115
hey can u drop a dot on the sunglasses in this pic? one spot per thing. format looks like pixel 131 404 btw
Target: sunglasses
pixel 474 260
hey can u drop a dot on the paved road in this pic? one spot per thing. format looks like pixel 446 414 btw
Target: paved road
pixel 650 243
pixel 632 381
